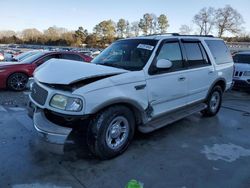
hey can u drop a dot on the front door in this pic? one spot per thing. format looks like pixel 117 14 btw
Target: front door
pixel 167 88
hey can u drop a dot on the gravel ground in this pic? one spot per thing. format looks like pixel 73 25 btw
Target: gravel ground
pixel 14 99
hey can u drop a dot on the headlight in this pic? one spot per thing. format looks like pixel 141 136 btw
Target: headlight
pixel 247 73
pixel 66 103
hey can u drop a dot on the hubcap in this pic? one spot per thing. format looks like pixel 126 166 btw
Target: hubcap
pixel 18 82
pixel 117 132
pixel 215 101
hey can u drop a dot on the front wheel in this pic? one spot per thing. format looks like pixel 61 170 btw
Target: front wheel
pixel 111 131
pixel 17 81
pixel 213 102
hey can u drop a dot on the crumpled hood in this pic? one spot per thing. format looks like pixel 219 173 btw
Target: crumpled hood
pixel 59 71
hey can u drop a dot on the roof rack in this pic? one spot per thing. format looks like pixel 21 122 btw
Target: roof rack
pixel 177 34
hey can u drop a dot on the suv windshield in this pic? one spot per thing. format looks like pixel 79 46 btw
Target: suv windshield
pixel 242 58
pixel 131 54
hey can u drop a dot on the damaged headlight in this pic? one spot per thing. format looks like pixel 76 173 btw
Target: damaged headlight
pixel 63 102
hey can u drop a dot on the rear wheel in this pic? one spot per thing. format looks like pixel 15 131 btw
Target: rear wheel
pixel 213 102
pixel 111 131
pixel 17 81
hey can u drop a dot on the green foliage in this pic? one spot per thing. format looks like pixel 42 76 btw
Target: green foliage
pixel 163 23
pixel 146 23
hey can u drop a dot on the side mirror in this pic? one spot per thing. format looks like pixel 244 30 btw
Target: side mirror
pixel 164 64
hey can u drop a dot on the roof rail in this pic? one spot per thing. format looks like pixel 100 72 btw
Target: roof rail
pixel 197 35
pixel 177 34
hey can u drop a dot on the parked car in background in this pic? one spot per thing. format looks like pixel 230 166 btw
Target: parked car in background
pixel 142 83
pixel 1 55
pixel 95 53
pixel 241 79
pixel 24 55
pixel 15 75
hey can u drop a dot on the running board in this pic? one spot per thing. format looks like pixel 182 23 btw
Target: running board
pixel 171 117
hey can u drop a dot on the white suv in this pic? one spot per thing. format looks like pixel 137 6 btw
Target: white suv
pixel 242 71
pixel 141 83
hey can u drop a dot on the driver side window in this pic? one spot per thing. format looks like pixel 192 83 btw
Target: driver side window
pixel 172 51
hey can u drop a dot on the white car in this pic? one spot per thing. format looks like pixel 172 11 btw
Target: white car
pixel 1 56
pixel 142 83
pixel 242 71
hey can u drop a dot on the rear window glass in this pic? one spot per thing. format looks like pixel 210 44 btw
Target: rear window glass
pixel 71 57
pixel 242 58
pixel 219 51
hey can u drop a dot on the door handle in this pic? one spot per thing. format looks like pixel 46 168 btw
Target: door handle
pixel 210 71
pixel 182 78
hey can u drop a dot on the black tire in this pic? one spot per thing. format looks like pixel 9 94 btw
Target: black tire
pixel 99 130
pixel 213 107
pixel 17 81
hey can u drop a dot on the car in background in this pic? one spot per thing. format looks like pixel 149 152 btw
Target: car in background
pixel 241 79
pixel 24 55
pixel 15 75
pixel 1 55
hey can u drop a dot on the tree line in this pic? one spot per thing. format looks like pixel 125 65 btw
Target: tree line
pixel 103 33
pixel 207 21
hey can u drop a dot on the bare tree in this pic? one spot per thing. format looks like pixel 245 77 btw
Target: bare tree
pixel 135 29
pixel 128 29
pixel 31 34
pixel 146 24
pixel 7 33
pixel 228 19
pixel 121 27
pixel 54 33
pixel 185 30
pixel 205 20
pixel 154 26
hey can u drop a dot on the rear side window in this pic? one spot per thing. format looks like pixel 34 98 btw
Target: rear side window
pixel 71 57
pixel 219 51
pixel 242 58
pixel 196 55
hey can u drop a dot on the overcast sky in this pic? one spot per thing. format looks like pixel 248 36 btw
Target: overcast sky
pixel 41 14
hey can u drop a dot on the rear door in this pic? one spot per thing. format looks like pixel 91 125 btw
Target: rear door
pixel 200 73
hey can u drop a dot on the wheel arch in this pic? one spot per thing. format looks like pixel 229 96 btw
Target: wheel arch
pixel 135 107
pixel 218 82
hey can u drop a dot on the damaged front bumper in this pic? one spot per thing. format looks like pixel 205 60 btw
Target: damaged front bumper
pixel 49 131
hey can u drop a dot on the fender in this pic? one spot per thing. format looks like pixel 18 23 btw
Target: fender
pixel 137 108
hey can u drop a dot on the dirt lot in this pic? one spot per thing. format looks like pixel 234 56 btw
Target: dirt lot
pixel 194 152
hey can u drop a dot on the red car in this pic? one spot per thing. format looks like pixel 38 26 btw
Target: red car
pixel 15 75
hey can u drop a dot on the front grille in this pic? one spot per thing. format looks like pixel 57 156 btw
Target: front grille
pixel 238 74
pixel 39 94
